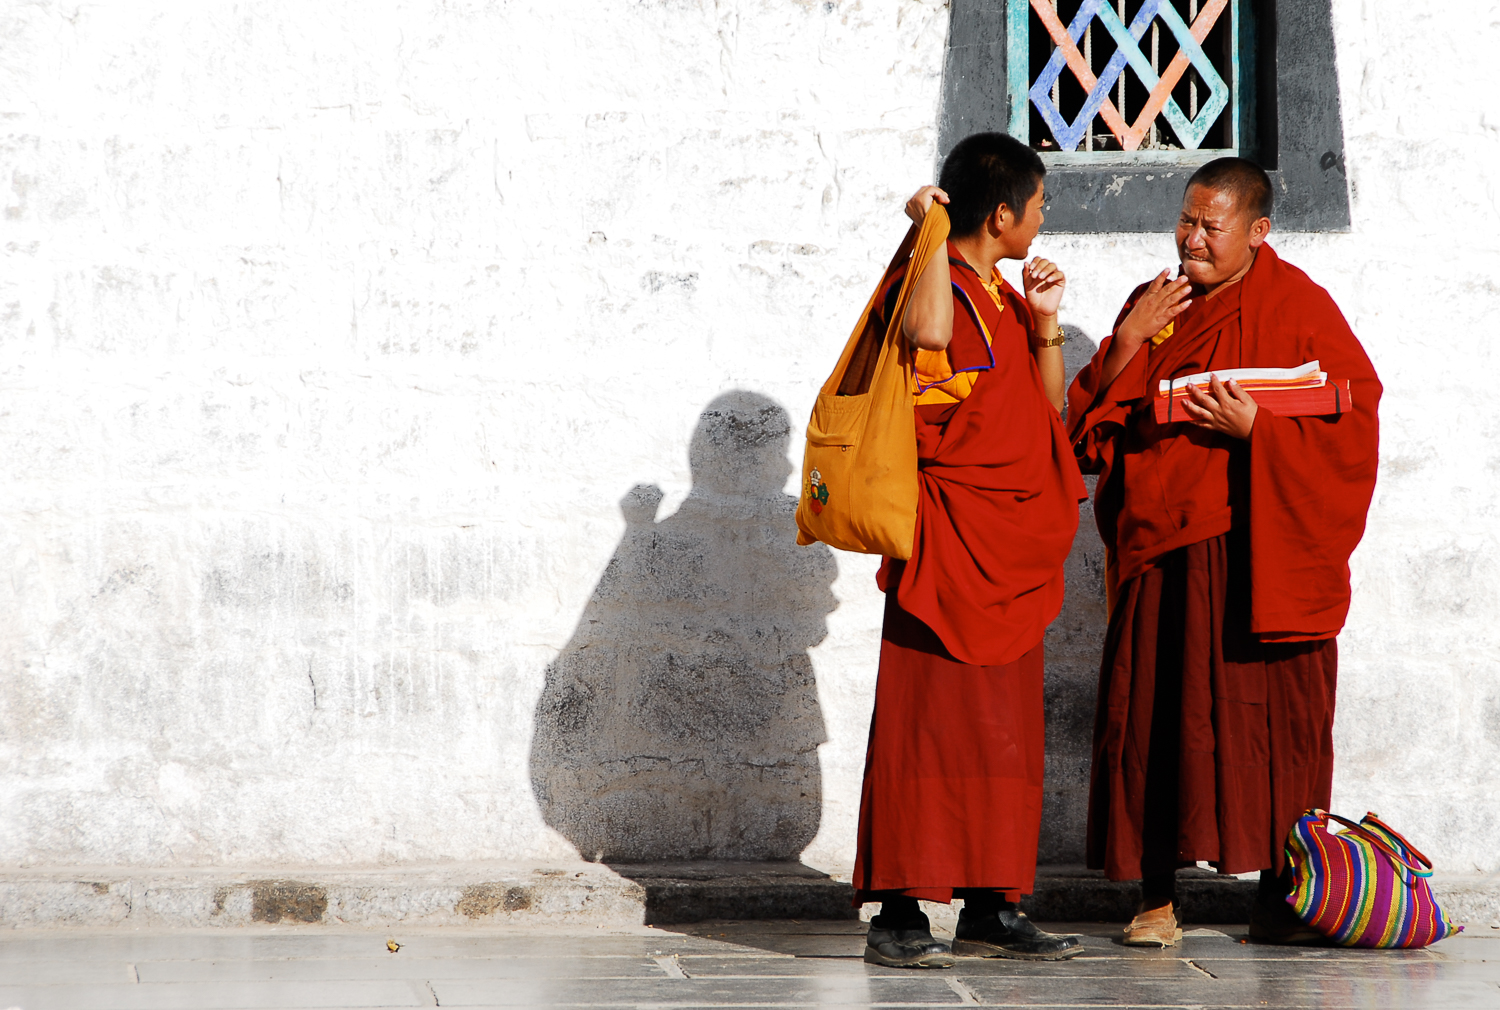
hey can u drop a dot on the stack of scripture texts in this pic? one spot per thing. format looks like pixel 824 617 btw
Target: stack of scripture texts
pixel 1291 392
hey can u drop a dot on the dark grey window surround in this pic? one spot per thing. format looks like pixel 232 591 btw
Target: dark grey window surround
pixel 1299 134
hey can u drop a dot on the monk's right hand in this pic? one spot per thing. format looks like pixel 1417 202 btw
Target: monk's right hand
pixel 1158 305
pixel 921 201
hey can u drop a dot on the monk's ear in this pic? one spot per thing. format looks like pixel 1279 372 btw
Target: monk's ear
pixel 1259 229
pixel 1001 219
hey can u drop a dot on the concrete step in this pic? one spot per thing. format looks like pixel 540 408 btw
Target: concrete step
pixel 1074 894
pixel 435 895
pixel 456 894
pixel 576 894
pixel 693 892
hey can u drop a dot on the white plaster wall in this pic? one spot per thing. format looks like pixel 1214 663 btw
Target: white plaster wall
pixel 332 336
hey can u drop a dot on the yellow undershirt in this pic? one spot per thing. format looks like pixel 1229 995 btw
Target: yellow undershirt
pixel 933 380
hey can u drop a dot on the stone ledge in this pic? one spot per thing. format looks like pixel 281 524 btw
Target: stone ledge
pixel 574 894
pixel 457 894
pixel 460 894
pixel 693 892
pixel 1074 894
pixel 1474 900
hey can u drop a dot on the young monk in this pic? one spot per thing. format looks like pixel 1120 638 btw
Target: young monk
pixel 1228 537
pixel 952 795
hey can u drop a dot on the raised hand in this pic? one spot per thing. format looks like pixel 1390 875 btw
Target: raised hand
pixel 1223 407
pixel 640 504
pixel 1043 282
pixel 921 200
pixel 1158 305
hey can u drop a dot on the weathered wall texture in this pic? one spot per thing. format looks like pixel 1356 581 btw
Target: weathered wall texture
pixel 394 404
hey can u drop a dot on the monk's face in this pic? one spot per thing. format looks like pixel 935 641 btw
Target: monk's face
pixel 1017 233
pixel 1216 237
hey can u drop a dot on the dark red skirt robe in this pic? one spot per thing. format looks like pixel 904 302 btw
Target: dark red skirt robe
pixel 1209 743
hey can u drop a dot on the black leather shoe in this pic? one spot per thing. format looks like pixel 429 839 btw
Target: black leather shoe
pixel 907 948
pixel 1008 933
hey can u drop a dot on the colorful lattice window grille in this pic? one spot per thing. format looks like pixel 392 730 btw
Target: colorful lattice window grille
pixel 1152 79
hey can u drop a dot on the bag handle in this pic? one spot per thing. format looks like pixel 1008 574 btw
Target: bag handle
pixel 920 244
pixel 1360 831
pixel 1399 837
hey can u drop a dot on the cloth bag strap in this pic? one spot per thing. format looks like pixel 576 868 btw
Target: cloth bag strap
pixel 920 244
pixel 1360 831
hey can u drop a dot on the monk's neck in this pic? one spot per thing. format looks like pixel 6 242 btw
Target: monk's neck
pixel 979 253
pixel 1208 293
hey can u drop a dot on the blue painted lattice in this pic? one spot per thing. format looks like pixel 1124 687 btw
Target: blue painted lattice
pixel 1066 56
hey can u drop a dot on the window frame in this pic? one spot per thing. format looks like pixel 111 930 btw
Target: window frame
pixel 1294 128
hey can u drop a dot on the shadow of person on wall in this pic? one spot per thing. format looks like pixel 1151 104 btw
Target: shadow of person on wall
pixel 1075 641
pixel 681 721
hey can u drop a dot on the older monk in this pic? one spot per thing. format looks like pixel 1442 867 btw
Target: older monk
pixel 1228 537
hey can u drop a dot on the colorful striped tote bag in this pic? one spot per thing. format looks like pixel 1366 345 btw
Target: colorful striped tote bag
pixel 1364 886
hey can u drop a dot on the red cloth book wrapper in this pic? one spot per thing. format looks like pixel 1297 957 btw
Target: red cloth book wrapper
pixel 1304 391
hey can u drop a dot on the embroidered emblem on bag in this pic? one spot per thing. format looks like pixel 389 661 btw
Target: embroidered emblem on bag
pixel 817 492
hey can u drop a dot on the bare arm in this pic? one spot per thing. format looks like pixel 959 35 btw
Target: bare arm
pixel 928 322
pixel 1159 305
pixel 1044 283
pixel 1049 361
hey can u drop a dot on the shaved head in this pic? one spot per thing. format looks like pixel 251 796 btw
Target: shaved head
pixel 1244 181
pixel 1226 215
pixel 984 171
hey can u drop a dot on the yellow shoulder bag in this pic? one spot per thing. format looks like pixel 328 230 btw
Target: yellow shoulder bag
pixel 859 473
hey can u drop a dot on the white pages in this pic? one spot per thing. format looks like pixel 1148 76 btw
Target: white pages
pixel 1303 376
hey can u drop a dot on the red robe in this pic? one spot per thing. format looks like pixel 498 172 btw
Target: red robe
pixel 1306 483
pixel 1229 577
pixel 953 776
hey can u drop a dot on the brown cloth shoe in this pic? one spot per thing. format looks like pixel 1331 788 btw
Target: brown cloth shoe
pixel 1154 928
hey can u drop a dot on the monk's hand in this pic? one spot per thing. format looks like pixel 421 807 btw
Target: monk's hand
pixel 1158 305
pixel 1044 283
pixel 1223 407
pixel 921 202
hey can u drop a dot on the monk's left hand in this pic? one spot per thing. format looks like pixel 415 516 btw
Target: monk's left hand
pixel 1043 282
pixel 1224 407
pixel 921 202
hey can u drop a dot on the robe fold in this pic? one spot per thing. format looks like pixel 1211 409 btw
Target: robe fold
pixel 999 491
pixel 1228 576
pixel 953 773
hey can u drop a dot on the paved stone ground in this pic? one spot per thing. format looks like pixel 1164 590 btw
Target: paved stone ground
pixel 738 964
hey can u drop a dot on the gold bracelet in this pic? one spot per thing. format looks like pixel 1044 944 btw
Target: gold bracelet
pixel 1056 341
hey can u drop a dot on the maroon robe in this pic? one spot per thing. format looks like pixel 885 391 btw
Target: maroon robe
pixel 952 792
pixel 1229 576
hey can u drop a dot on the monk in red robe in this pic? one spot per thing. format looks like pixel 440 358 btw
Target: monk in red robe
pixel 952 796
pixel 1228 536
